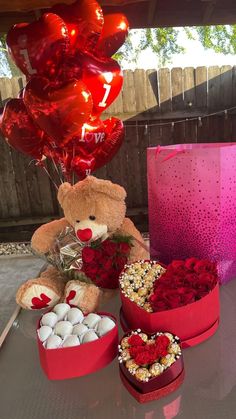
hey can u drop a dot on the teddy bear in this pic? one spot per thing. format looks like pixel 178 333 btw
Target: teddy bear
pixel 95 211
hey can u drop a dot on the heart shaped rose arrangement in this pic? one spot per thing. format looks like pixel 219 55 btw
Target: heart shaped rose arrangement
pixel 157 289
pixel 72 79
pixel 147 357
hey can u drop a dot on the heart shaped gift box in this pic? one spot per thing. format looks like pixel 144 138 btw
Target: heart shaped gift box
pixel 193 322
pixel 158 377
pixel 75 361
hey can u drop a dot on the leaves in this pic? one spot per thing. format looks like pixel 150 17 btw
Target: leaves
pixel 164 42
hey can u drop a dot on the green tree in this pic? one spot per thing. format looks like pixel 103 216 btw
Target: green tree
pixel 164 42
pixel 7 66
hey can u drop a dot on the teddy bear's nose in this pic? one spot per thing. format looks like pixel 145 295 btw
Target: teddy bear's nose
pixel 84 235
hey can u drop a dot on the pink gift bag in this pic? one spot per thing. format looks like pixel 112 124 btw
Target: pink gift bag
pixel 192 203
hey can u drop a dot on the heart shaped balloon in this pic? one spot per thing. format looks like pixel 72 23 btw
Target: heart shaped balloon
pixel 114 33
pixel 103 78
pixel 20 131
pixel 59 110
pixel 83 162
pixel 115 137
pixel 39 47
pixel 84 20
pixel 93 133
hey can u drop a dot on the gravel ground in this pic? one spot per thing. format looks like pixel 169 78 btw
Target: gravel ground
pixel 7 249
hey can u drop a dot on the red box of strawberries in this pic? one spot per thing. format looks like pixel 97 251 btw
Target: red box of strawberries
pixel 182 298
pixel 72 344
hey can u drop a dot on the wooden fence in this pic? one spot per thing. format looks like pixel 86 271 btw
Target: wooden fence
pixel 152 104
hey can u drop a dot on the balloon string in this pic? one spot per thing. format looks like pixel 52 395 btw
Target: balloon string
pixel 73 173
pixel 50 177
pixel 56 168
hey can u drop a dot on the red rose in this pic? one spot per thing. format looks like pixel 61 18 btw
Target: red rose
pixel 143 358
pixel 190 263
pixel 88 254
pixel 124 247
pixel 135 340
pixel 176 264
pixel 205 266
pixel 162 340
pixel 120 262
pixel 107 264
pixel 135 350
pixel 109 247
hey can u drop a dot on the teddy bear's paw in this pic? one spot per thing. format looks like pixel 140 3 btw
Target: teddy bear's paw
pixel 82 295
pixel 34 294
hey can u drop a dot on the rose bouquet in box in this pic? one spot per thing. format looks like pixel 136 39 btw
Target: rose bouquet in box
pixel 151 366
pixel 183 298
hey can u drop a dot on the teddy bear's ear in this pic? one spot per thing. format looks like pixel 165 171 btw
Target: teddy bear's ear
pixel 113 190
pixel 64 188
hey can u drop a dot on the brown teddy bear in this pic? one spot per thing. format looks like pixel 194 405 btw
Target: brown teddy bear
pixel 96 210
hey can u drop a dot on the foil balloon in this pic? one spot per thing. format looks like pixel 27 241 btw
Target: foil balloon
pixel 84 20
pixel 114 33
pixel 59 110
pixel 83 166
pixel 115 137
pixel 39 47
pixel 93 133
pixel 20 131
pixel 103 78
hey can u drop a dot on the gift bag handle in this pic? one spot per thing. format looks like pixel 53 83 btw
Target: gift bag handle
pixel 171 155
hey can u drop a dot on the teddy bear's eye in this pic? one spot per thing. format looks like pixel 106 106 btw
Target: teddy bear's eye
pixel 92 217
pixel 77 221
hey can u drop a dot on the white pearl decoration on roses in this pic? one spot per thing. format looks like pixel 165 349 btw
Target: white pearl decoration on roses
pixel 71 341
pixel 61 310
pixel 53 342
pixel 91 320
pixel 89 336
pixel 44 332
pixel 74 315
pixel 49 319
pixel 104 326
pixel 63 328
pixel 79 329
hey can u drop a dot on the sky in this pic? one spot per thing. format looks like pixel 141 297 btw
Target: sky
pixel 194 56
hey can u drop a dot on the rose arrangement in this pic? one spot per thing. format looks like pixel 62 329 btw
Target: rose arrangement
pixel 146 357
pixel 103 262
pixel 183 282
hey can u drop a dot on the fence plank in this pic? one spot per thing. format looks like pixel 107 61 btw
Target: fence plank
pixel 140 90
pixel 128 92
pixel 226 93
pixel 177 89
pixel 152 91
pixel 201 87
pixel 214 89
pixel 165 89
pixel 189 88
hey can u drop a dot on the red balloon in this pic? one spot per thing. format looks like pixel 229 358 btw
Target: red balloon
pixel 20 130
pixel 103 78
pixel 39 47
pixel 84 20
pixel 115 137
pixel 59 110
pixel 83 166
pixel 93 133
pixel 79 159
pixel 114 33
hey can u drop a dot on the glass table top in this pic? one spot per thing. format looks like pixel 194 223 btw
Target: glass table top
pixel 208 392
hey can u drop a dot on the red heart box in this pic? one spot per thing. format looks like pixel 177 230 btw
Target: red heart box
pixel 76 361
pixel 193 323
pixel 156 387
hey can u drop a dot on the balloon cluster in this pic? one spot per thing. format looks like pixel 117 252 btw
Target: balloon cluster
pixel 71 80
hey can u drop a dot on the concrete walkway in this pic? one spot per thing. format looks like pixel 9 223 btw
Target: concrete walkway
pixel 14 270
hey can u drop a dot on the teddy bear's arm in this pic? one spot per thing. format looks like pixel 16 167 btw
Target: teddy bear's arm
pixel 44 237
pixel 137 251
